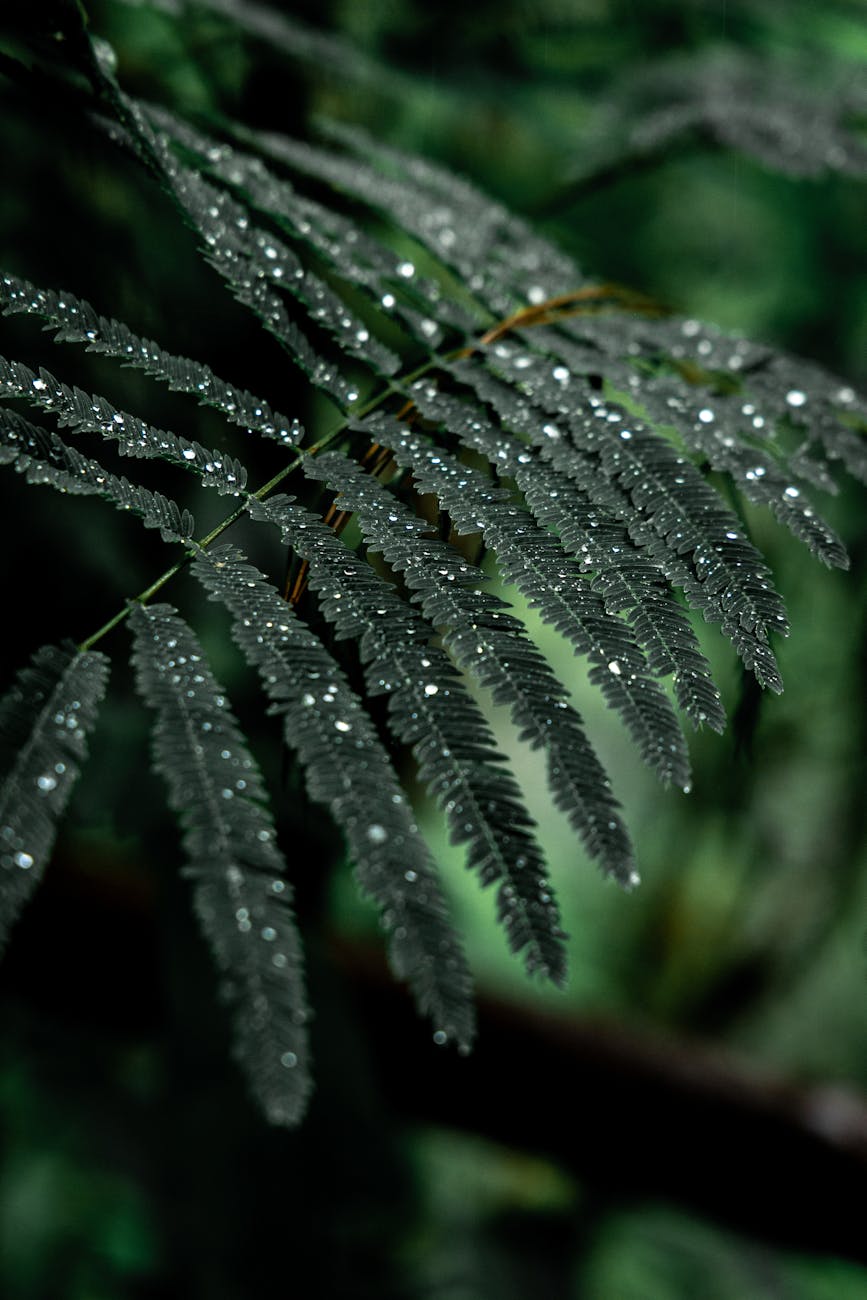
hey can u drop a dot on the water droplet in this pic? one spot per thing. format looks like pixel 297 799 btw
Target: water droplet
pixel 431 689
pixel 795 397
pixel 440 1037
pixel 23 860
pixel 340 725
pixel 406 269
pixel 377 834
pixel 289 1060
pixel 614 667
pixel 46 783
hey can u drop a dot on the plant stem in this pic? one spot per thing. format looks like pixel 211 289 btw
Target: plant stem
pixel 393 386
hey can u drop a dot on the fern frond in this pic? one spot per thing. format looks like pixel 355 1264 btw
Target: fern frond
pixel 93 414
pixel 504 260
pixel 487 641
pixel 732 581
pixel 736 100
pixel 430 710
pixel 252 273
pixel 534 561
pixel 43 457
pixel 711 427
pixel 830 412
pixel 45 719
pixel 349 772
pixel 222 225
pixel 258 267
pixel 627 582
pixel 592 529
pixel 661 497
pixel 772 388
pixel 734 433
pixel 351 252
pixel 75 321
pixel 459 239
pixel 242 897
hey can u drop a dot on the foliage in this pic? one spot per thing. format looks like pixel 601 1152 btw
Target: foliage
pixel 491 400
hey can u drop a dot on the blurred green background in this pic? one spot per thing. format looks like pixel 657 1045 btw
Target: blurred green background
pixel 134 1166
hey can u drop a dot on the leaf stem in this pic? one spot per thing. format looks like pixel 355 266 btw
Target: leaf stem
pixel 391 388
pixel 542 313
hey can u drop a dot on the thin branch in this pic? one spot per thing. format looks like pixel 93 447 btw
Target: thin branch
pixel 634 1112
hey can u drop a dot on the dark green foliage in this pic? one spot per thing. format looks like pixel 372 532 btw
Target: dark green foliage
pixel 349 772
pixel 531 558
pixel 75 321
pixel 784 118
pixel 487 641
pixel 430 710
pixel 241 893
pixel 93 414
pixel 44 721
pixel 43 457
pixel 492 401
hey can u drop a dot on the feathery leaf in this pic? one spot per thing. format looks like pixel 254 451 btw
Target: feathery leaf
pixel 43 457
pixel 45 719
pixel 737 100
pixel 356 256
pixel 93 414
pixel 667 506
pixel 620 570
pixel 487 641
pixel 533 560
pixel 430 710
pixel 349 772
pixel 242 897
pixel 75 321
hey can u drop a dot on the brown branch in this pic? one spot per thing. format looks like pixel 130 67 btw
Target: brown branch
pixel 635 1113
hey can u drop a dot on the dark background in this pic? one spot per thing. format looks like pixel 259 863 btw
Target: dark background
pixel 689 1119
